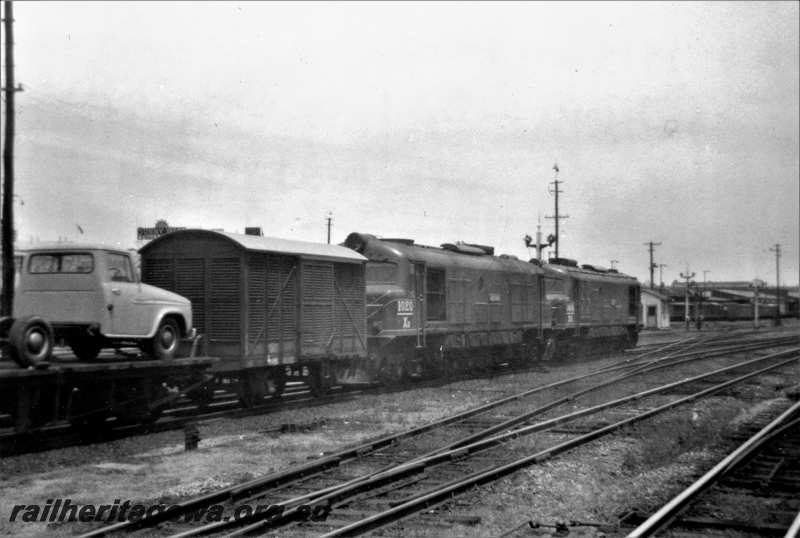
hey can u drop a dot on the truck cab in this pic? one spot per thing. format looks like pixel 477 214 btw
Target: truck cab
pixel 90 297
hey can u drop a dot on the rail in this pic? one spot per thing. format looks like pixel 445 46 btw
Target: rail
pixel 667 513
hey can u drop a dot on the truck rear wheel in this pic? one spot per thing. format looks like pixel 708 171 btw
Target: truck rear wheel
pixel 31 340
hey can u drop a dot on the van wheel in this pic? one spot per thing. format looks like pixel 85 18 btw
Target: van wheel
pixel 319 379
pixel 31 340
pixel 86 348
pixel 164 344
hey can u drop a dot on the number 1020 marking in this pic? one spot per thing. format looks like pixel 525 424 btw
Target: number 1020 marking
pixel 405 307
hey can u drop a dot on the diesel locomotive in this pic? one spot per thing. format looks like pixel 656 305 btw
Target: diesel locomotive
pixel 460 308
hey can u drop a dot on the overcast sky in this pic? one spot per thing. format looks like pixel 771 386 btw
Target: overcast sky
pixel 670 122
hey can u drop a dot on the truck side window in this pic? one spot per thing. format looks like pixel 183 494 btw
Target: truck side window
pixel 61 263
pixel 119 268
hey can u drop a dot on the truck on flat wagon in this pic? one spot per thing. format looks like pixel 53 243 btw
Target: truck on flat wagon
pixel 89 297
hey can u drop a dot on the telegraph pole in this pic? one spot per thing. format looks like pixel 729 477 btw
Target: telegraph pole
pixel 777 250
pixel 688 276
pixel 7 226
pixel 329 218
pixel 556 217
pixel 703 297
pixel 661 276
pixel 652 264
pixel 756 284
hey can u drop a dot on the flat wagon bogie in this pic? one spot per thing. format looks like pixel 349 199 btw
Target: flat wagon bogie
pixel 270 308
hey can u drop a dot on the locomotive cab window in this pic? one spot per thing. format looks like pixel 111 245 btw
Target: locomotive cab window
pixel 434 295
pixel 381 273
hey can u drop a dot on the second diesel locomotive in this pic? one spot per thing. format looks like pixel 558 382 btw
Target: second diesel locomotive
pixel 379 309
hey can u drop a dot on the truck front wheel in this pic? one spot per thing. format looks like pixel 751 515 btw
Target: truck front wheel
pixel 164 344
pixel 31 340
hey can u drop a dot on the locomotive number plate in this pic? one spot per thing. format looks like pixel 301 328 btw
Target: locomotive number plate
pixel 405 307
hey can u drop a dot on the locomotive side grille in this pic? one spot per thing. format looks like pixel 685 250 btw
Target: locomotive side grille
pixel 190 282
pixel 481 312
pixel 456 291
pixel 225 308
pixel 532 298
pixel 318 306
pixel 518 297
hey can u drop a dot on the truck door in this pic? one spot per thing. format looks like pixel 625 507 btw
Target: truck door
pixel 127 315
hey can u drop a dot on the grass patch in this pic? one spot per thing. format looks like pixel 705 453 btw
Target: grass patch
pixel 663 440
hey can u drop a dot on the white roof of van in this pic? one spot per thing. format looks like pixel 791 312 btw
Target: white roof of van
pixel 260 243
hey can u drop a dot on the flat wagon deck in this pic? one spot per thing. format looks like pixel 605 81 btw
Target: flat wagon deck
pixel 112 388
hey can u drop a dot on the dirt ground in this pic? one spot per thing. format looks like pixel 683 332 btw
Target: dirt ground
pixel 590 484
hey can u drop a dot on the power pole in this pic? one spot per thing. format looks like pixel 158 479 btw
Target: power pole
pixel 329 218
pixel 702 312
pixel 7 226
pixel 613 263
pixel 688 276
pixel 661 275
pixel 652 264
pixel 556 217
pixel 777 250
pixel 756 284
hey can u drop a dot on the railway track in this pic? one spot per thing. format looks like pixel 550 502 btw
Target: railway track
pixel 751 492
pixel 227 405
pixel 371 485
